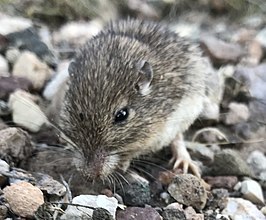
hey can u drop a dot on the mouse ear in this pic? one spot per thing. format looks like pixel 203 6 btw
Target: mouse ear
pixel 72 69
pixel 145 77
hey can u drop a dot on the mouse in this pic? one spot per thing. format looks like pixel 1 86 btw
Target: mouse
pixel 132 89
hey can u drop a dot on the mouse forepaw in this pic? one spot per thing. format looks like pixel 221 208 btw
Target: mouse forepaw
pixel 185 165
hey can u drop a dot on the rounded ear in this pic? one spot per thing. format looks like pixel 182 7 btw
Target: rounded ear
pixel 145 77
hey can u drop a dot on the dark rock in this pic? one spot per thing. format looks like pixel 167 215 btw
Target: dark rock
pixel 172 214
pixel 227 182
pixel 15 144
pixel 9 84
pixel 3 211
pixel 28 39
pixel 221 52
pixel 217 199
pixel 133 213
pixel 136 193
pixel 101 214
pixel 188 190
pixel 229 163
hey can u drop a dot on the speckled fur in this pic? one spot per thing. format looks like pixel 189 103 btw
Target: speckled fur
pixel 102 80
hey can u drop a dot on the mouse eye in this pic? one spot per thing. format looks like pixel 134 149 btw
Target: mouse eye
pixel 81 116
pixel 121 115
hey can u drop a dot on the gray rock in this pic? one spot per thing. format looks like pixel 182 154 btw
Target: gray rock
pixel 261 37
pixel 257 161
pixel 252 191
pixel 3 66
pixel 101 214
pixel 237 113
pixel 228 162
pixel 226 182
pixel 217 199
pixel 15 144
pixel 137 213
pixel 172 214
pixel 4 109
pixel 100 201
pixel 4 168
pixel 188 190
pixel 238 208
pixel 221 52
pixel 137 193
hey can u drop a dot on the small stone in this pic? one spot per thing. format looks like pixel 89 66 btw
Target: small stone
pixel 263 210
pixel 221 52
pixel 9 24
pixel 261 37
pixel 191 214
pixel 257 161
pixel 22 105
pixel 12 54
pixel 101 214
pixel 3 212
pixel 3 66
pixel 237 113
pixel 47 184
pixel 255 53
pixel 30 67
pixel 217 199
pixel 24 198
pixel 4 168
pixel 200 151
pixel 15 143
pixel 137 213
pixel 226 182
pixel 229 163
pixel 137 193
pixel 238 208
pixel 188 190
pixel 100 201
pixel 173 214
pixel 77 33
pixel 252 191
pixel 29 40
pixel 9 84
pixel 4 109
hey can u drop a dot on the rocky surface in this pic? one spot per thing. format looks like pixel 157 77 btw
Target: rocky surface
pixel 38 178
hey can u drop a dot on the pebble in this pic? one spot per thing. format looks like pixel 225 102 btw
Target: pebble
pixel 217 199
pixel 22 105
pixel 221 52
pixel 101 214
pixel 12 24
pixel 4 109
pixel 137 193
pixel 137 213
pixel 229 163
pixel 30 67
pixel 257 161
pixel 172 214
pixel 237 113
pixel 190 213
pixel 3 212
pixel 50 186
pixel 188 190
pixel 255 53
pixel 10 83
pixel 24 198
pixel 15 143
pixel 77 33
pixel 56 82
pixel 4 69
pixel 252 191
pixel 12 54
pixel 226 182
pixel 4 168
pixel 238 208
pixel 100 201
pixel 261 37
pixel 200 151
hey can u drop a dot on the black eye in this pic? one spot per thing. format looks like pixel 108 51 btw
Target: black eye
pixel 81 116
pixel 121 115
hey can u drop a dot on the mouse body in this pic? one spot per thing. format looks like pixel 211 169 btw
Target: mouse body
pixel 133 89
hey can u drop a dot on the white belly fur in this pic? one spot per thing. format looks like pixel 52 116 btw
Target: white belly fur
pixel 179 121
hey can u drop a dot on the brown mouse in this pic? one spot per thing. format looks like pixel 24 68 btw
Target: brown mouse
pixel 132 89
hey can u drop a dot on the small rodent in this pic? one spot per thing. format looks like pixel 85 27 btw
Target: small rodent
pixel 132 89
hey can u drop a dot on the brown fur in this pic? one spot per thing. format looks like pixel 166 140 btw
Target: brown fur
pixel 103 78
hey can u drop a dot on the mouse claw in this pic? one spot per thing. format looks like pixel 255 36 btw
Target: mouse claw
pixel 186 165
pixel 181 157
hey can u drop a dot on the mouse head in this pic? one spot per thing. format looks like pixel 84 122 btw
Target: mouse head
pixel 106 112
